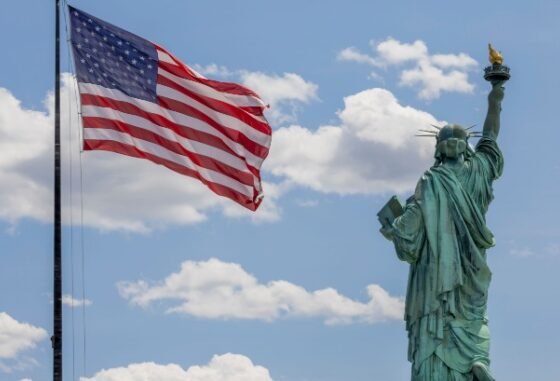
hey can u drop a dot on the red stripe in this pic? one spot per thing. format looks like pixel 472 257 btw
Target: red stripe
pixel 217 105
pixel 182 70
pixel 235 135
pixel 253 110
pixel 124 149
pixel 196 158
pixel 179 129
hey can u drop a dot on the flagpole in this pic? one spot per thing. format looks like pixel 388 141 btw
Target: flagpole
pixel 57 279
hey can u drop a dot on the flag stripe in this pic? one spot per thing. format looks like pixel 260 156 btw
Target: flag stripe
pixel 168 132
pixel 225 112
pixel 246 105
pixel 178 68
pixel 198 87
pixel 259 150
pixel 182 115
pixel 201 156
pixel 130 150
pixel 158 151
pixel 127 111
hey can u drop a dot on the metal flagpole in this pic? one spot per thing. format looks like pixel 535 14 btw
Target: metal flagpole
pixel 57 279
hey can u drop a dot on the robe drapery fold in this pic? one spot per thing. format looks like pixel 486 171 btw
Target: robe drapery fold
pixel 444 237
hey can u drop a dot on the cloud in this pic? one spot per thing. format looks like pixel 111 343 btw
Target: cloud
pixel 430 74
pixel 214 70
pixel 372 151
pixel 114 185
pixel 307 203
pixel 432 80
pixel 392 51
pixel 460 61
pixel 267 212
pixel 522 253
pixel 550 250
pixel 24 136
pixel 284 93
pixel 69 301
pixel 352 54
pixel 220 290
pixel 17 338
pixel 275 89
pixel 226 367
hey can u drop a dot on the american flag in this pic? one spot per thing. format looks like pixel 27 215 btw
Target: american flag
pixel 137 99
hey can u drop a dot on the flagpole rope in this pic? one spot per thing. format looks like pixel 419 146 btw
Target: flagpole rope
pixel 82 240
pixel 70 202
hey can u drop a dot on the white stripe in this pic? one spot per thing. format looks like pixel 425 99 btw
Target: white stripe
pixel 233 99
pixel 162 56
pixel 161 152
pixel 260 118
pixel 223 119
pixel 176 117
pixel 190 145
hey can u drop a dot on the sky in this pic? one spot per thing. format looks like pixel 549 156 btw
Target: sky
pixel 163 280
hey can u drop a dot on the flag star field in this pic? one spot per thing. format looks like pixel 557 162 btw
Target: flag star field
pixel 113 58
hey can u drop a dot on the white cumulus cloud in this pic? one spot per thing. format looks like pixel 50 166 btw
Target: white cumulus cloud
pixel 354 55
pixel 284 93
pixel 70 301
pixel 392 51
pixel 16 339
pixel 372 150
pixel 221 290
pixel 430 74
pixel 226 367
pixel 24 136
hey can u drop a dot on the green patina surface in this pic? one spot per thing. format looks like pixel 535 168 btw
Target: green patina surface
pixel 443 235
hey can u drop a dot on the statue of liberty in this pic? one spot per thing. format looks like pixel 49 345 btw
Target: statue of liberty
pixel 441 232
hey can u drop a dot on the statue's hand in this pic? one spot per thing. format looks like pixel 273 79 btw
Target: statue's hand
pixel 388 232
pixel 497 92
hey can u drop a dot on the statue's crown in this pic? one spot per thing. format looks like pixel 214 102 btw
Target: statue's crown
pixel 450 131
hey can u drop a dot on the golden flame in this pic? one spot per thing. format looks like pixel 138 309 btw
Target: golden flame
pixel 494 56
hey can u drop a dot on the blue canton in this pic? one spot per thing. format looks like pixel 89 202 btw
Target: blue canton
pixel 111 57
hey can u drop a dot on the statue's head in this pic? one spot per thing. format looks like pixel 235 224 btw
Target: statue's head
pixel 451 142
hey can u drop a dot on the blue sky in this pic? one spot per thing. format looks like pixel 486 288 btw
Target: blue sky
pixel 317 290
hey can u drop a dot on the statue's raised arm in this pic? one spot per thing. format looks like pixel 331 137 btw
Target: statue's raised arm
pixel 497 74
pixel 491 127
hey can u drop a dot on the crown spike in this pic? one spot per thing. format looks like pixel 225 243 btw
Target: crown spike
pixel 429 131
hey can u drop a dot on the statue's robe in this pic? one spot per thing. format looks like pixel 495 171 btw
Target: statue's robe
pixel 444 237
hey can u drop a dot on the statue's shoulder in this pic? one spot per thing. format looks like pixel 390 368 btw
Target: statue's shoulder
pixel 421 185
pixel 428 180
pixel 429 174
